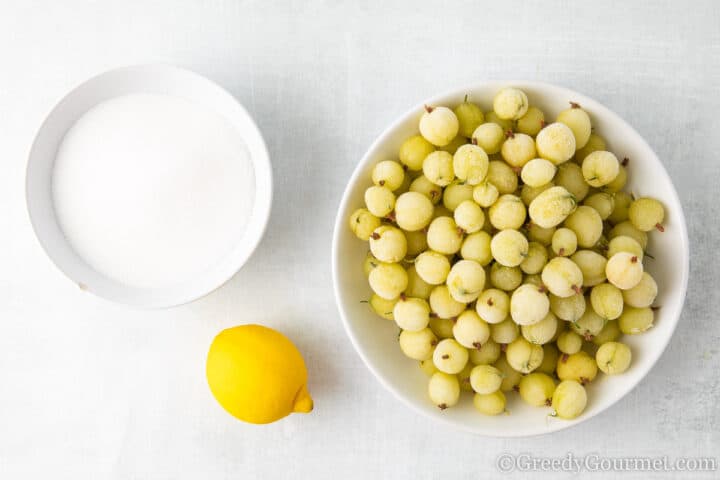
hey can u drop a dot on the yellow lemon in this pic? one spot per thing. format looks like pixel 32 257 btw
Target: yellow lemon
pixel 257 374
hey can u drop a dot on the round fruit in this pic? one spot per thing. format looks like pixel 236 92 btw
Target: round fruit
pixel 529 305
pixel 388 244
pixel 600 168
pixel 537 389
pixel 413 152
pixel 643 294
pixel 444 236
pixel 509 247
pixel 524 356
pixel 413 211
pixel 257 375
pixel 443 304
pixel 388 174
pixel 508 212
pixel 551 207
pixel 518 149
pixel 532 122
pixel 411 314
pixel 388 280
pixel 470 164
pixel 538 172
pixel 579 366
pixel 493 305
pixel 579 122
pixel 647 214
pixel 439 125
pixel 562 277
pixel 556 143
pixel 469 216
pixel 510 103
pixel 449 356
pixel 444 390
pixel 490 404
pixel 380 201
pixel 466 280
pixel 418 345
pixel 432 267
pixel 635 320
pixel 569 399
pixel 362 223
pixel 489 136
pixel 613 357
pixel 470 330
pixel 469 117
pixel 438 168
pixel 624 270
pixel 485 379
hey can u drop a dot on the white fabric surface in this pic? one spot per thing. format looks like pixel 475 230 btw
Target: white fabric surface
pixel 90 389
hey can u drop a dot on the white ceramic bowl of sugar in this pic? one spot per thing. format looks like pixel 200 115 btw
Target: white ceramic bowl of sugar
pixel 79 237
pixel 375 339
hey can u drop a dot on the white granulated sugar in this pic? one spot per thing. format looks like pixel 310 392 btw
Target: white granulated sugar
pixel 151 190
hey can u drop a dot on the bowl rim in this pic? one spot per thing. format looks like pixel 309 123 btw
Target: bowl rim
pixel 215 276
pixel 340 223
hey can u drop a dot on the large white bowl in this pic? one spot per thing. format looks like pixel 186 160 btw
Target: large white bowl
pixel 153 79
pixel 375 339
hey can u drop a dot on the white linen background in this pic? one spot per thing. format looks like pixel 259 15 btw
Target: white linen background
pixel 89 389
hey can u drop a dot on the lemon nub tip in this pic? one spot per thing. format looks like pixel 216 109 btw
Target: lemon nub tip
pixel 303 401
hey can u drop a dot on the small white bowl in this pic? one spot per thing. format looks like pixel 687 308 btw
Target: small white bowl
pixel 375 339
pixel 152 79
